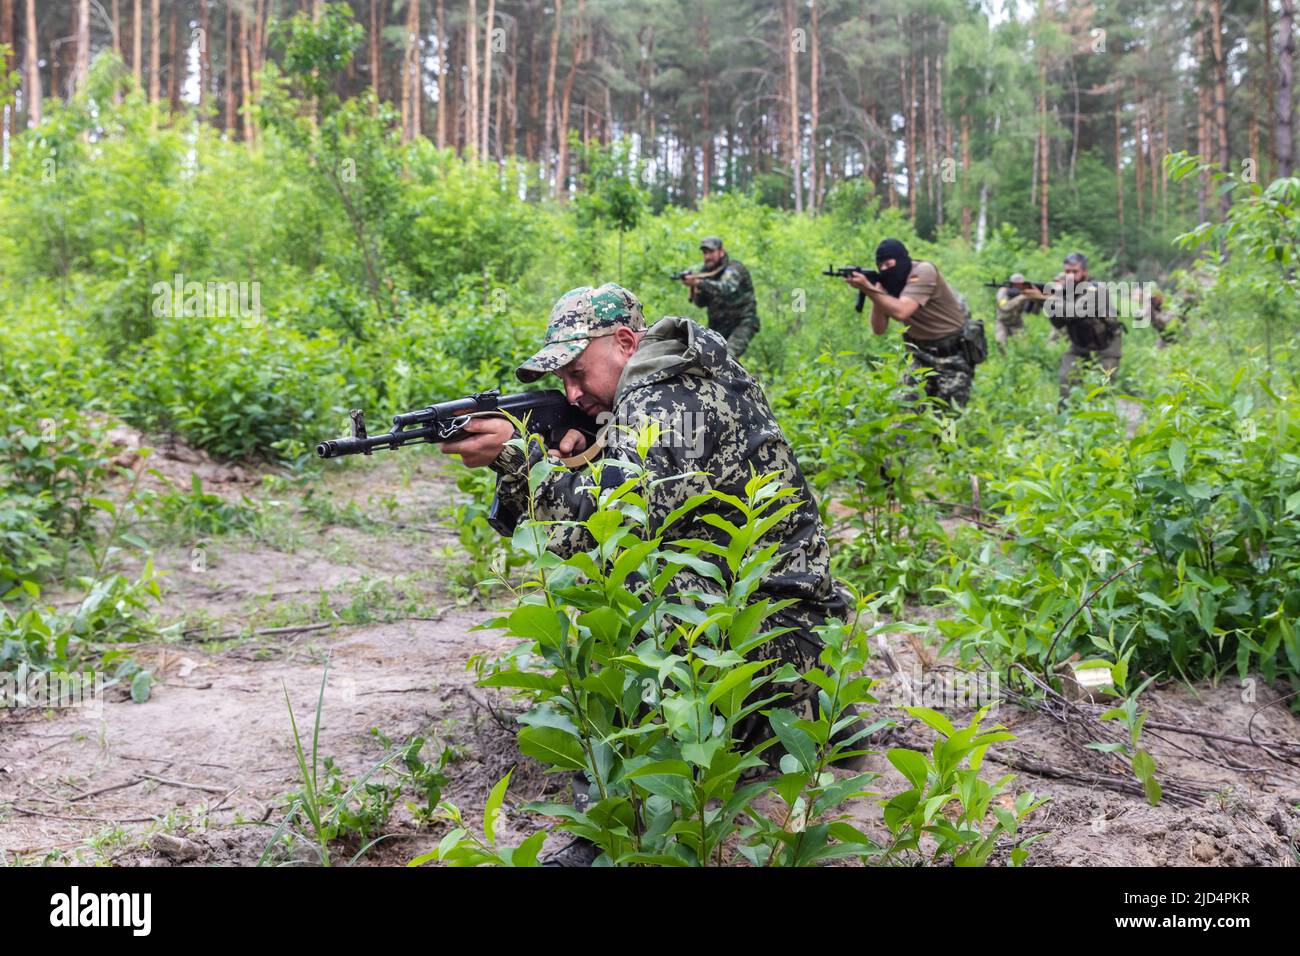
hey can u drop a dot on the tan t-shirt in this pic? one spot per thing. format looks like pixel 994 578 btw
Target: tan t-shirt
pixel 940 314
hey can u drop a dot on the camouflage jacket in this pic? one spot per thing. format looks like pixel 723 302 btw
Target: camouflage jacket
pixel 729 298
pixel 715 420
pixel 1011 305
pixel 1089 321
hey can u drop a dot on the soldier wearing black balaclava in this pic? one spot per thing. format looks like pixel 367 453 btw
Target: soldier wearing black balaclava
pixel 933 316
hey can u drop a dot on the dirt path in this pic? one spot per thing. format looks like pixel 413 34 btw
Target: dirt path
pixel 209 757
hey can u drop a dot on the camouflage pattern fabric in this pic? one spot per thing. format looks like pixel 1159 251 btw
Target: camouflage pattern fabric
pixel 729 298
pixel 1166 325
pixel 740 337
pixel 580 315
pixel 1010 313
pixel 953 373
pixel 1084 321
pixel 1096 338
pixel 717 424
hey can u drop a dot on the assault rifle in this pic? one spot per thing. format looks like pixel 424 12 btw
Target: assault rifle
pixel 1040 286
pixel 843 272
pixel 678 276
pixel 545 413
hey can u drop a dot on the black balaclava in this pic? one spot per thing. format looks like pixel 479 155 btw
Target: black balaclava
pixel 895 279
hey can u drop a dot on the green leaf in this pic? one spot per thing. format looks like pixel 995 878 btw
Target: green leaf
pixel 141 686
pixel 493 807
pixel 1178 456
pixel 797 743
pixel 932 719
pixel 552 746
pixel 539 623
pixel 910 764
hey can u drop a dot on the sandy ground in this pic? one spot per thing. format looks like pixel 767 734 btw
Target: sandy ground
pixel 209 757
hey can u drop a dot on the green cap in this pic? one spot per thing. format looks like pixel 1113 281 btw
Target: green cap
pixel 580 315
pixel 710 242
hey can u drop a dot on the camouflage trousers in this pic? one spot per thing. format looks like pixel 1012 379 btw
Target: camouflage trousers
pixel 1070 372
pixel 952 378
pixel 800 649
pixel 738 338
pixel 1007 327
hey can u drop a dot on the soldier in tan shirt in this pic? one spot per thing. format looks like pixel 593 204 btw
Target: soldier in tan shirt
pixel 933 315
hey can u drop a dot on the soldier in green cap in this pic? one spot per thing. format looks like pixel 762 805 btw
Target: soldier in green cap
pixel 724 288
pixel 717 431
pixel 1080 308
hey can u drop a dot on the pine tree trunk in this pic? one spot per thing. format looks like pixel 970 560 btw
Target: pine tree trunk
pixel 228 87
pixel 1220 91
pixel 1283 146
pixel 1270 162
pixel 965 173
pixel 173 64
pixel 512 93
pixel 32 92
pixel 549 133
pixel 417 77
pixel 487 78
pixel 562 163
pixel 1139 157
pixel 374 52
pixel 471 81
pixel 814 77
pixel 910 132
pixel 1119 172
pixel 1044 235
pixel 137 35
pixel 81 63
pixel 927 130
pixel 945 132
pixel 155 52
pixel 205 56
pixel 245 89
pixel 706 122
pixel 792 93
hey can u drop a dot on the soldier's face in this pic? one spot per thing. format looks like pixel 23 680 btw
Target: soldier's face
pixel 712 256
pixel 591 380
pixel 884 265
pixel 1075 271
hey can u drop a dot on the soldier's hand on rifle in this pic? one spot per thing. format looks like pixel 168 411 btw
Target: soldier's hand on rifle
pixel 691 280
pixel 863 284
pixel 484 439
pixel 1030 292
pixel 573 442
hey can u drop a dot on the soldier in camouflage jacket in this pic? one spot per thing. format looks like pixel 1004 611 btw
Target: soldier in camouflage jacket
pixel 724 288
pixel 715 421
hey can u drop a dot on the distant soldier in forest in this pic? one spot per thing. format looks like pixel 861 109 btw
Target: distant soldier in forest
pixel 1013 300
pixel 718 430
pixel 1166 325
pixel 934 318
pixel 1082 311
pixel 723 287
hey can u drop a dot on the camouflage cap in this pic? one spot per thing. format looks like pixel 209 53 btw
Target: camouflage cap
pixel 1016 277
pixel 710 242
pixel 580 315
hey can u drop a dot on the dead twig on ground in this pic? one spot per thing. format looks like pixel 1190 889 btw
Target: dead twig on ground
pixel 183 784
